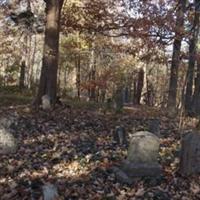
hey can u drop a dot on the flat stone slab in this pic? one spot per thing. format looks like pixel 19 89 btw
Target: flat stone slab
pixel 128 173
pixel 141 169
pixel 121 176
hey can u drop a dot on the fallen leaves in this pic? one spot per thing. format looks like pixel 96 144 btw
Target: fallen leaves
pixel 76 152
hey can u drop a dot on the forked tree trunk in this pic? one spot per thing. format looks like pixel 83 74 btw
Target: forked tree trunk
pixel 176 54
pixel 48 77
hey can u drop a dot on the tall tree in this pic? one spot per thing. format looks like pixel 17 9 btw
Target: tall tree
pixel 196 95
pixel 48 77
pixel 192 59
pixel 176 53
pixel 138 86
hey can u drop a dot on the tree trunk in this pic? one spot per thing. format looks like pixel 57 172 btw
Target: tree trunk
pixel 150 94
pixel 22 76
pixel 78 75
pixel 192 59
pixel 48 77
pixel 119 98
pixel 176 54
pixel 126 94
pixel 32 80
pixel 92 74
pixel 138 86
pixel 65 78
pixel 196 95
pixel 93 87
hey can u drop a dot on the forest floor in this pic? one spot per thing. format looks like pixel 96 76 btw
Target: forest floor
pixel 74 150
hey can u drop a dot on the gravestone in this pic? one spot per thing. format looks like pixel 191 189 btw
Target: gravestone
pixel 8 143
pixel 119 135
pixel 154 126
pixel 142 158
pixel 50 192
pixel 7 121
pixel 190 153
pixel 46 103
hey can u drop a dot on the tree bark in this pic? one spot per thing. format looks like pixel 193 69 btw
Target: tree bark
pixel 78 75
pixel 119 98
pixel 138 86
pixel 196 95
pixel 93 87
pixel 22 75
pixel 192 59
pixel 92 74
pixel 176 54
pixel 48 77
pixel 32 80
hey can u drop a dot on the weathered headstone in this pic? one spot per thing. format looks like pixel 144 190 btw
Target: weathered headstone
pixel 190 153
pixel 7 122
pixel 142 158
pixel 46 103
pixel 50 192
pixel 8 143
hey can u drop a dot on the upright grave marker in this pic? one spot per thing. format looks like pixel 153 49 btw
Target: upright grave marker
pixel 142 158
pixel 190 153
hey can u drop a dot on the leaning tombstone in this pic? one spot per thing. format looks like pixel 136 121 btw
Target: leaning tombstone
pixel 142 158
pixel 190 154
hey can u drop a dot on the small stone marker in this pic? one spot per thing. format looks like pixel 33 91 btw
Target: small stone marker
pixel 46 104
pixel 8 143
pixel 50 192
pixel 154 126
pixel 6 122
pixel 142 159
pixel 190 153
pixel 119 135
